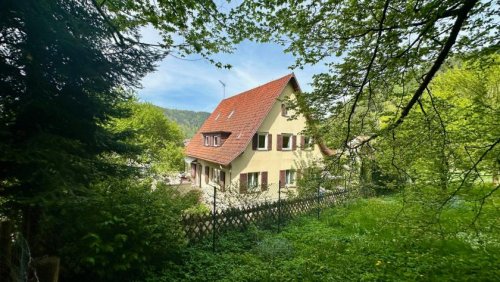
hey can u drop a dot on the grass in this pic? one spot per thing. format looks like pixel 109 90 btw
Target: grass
pixel 367 240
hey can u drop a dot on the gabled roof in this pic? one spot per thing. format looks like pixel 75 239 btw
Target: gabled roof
pixel 241 115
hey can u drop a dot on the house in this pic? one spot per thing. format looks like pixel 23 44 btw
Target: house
pixel 249 141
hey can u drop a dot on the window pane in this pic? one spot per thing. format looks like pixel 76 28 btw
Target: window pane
pixel 286 142
pixel 253 180
pixel 262 141
pixel 289 177
pixel 307 142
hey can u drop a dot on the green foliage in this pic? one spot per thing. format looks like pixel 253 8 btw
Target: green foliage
pixel 63 65
pixel 377 239
pixel 120 232
pixel 189 121
pixel 382 59
pixel 454 127
pixel 159 139
pixel 372 50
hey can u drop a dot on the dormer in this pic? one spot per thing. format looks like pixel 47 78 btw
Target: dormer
pixel 214 139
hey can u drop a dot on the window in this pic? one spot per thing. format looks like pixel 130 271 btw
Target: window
pixel 216 175
pixel 308 142
pixel 230 114
pixel 207 140
pixel 253 181
pixel 284 110
pixel 262 141
pixel 287 142
pixel 289 177
pixel 216 140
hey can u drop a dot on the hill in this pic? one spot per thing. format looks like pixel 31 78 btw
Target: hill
pixel 189 121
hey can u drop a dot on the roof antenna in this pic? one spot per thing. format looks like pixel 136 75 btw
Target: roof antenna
pixel 224 91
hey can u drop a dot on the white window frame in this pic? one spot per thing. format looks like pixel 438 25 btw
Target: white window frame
pixel 266 135
pixel 216 140
pixel 253 181
pixel 207 140
pixel 290 176
pixel 290 141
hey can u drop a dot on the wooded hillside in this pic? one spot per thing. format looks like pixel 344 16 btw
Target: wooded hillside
pixel 189 121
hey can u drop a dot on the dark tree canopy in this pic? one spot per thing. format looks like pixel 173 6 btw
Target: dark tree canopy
pixel 63 67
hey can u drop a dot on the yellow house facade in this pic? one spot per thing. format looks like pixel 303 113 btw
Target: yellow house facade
pixel 250 144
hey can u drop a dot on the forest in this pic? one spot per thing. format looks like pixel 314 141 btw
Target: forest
pixel 189 121
pixel 416 83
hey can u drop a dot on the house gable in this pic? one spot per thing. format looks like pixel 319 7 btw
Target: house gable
pixel 273 161
pixel 240 117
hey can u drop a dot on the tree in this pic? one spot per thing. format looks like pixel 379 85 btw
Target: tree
pixel 159 139
pixel 373 49
pixel 450 140
pixel 382 57
pixel 62 64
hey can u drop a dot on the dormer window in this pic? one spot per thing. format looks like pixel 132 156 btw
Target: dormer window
pixel 207 140
pixel 216 140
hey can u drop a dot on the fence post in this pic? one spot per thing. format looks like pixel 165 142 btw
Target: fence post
pixel 214 218
pixel 318 200
pixel 279 206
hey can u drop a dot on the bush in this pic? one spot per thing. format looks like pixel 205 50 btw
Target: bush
pixel 121 232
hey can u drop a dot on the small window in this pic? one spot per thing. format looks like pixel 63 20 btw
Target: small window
pixel 207 140
pixel 253 181
pixel 217 117
pixel 230 114
pixel 308 142
pixel 289 177
pixel 287 142
pixel 262 141
pixel 284 110
pixel 216 140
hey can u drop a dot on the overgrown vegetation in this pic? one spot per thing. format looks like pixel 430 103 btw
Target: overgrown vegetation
pixel 77 152
pixel 74 160
pixel 391 238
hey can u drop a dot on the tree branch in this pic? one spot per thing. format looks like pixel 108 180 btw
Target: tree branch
pixel 443 54
pixel 367 74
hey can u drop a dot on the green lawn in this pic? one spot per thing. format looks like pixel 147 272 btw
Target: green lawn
pixel 366 240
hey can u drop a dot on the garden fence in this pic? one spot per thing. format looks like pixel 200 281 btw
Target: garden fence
pixel 198 227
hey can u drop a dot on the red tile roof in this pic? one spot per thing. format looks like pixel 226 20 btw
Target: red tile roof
pixel 250 109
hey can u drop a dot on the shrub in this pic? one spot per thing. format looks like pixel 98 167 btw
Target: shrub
pixel 119 233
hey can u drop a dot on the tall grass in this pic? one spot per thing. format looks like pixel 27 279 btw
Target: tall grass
pixel 392 238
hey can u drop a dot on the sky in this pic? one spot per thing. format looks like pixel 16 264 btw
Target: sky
pixel 194 84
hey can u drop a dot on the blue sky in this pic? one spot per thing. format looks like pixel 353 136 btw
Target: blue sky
pixel 194 85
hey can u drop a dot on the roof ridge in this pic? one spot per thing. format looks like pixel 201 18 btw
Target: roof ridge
pixel 262 85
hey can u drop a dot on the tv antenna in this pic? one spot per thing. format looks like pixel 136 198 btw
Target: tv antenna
pixel 224 89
